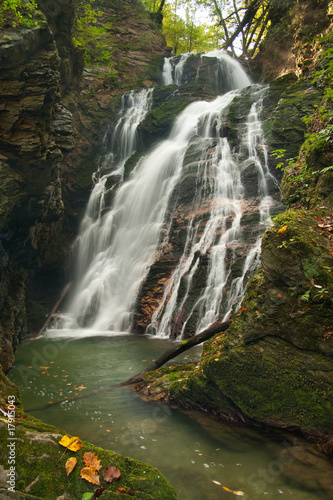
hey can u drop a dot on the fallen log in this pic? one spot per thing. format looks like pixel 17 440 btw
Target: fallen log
pixel 54 308
pixel 167 356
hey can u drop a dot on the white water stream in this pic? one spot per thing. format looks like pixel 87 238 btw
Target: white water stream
pixel 117 245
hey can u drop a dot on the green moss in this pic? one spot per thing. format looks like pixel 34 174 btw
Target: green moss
pixel 273 365
pixel 285 128
pixel 39 463
pixel 167 375
pixel 271 381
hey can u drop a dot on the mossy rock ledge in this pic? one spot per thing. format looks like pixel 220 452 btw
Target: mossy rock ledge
pixel 273 367
pixel 40 470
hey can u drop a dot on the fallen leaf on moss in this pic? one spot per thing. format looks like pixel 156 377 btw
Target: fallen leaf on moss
pixel 282 229
pixel 120 490
pixel 90 474
pixel 70 464
pixel 110 473
pixel 72 443
pixel 91 460
pixel 216 482
pixel 98 493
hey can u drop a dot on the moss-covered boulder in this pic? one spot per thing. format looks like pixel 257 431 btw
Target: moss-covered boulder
pixel 274 366
pixel 38 461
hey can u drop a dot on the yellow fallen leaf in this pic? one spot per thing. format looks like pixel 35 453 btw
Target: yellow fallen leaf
pixel 238 493
pixel 90 474
pixel 282 229
pixel 72 443
pixel 70 464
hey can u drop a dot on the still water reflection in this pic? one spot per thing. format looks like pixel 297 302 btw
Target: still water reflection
pixel 197 454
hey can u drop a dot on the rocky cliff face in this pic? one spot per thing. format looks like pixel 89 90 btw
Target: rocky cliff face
pixel 192 201
pixel 31 154
pixel 49 141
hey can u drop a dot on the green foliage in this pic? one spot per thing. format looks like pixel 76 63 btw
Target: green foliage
pixel 20 13
pixel 92 35
pixel 184 32
pixel 277 154
pixel 302 182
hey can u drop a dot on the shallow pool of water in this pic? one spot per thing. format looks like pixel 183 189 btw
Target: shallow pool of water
pixel 193 450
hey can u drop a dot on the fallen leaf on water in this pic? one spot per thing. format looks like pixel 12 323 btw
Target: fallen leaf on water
pixel 238 493
pixel 216 482
pixel 282 229
pixel 110 473
pixel 70 464
pixel 91 460
pixel 90 474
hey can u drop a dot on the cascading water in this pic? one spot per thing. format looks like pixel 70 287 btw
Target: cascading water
pixel 119 245
pixel 219 235
pixel 173 69
pixel 96 266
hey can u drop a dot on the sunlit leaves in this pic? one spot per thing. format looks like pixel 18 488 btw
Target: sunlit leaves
pixel 234 24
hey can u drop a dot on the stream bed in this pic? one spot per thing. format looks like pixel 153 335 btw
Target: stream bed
pixel 197 454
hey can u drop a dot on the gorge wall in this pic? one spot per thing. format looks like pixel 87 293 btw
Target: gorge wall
pixel 51 116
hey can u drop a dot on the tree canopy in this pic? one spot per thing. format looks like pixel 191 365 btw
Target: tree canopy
pixel 198 25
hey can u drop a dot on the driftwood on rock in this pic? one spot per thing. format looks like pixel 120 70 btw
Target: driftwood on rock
pixel 170 354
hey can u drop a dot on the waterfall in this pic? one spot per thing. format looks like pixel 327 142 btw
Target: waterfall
pixel 167 77
pixel 173 69
pixel 119 244
pixel 94 272
pixel 226 193
pixel 229 74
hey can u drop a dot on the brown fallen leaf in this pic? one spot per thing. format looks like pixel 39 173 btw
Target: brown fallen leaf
pixel 98 492
pixel 70 464
pixel 92 460
pixel 110 473
pixel 120 490
pixel 90 474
